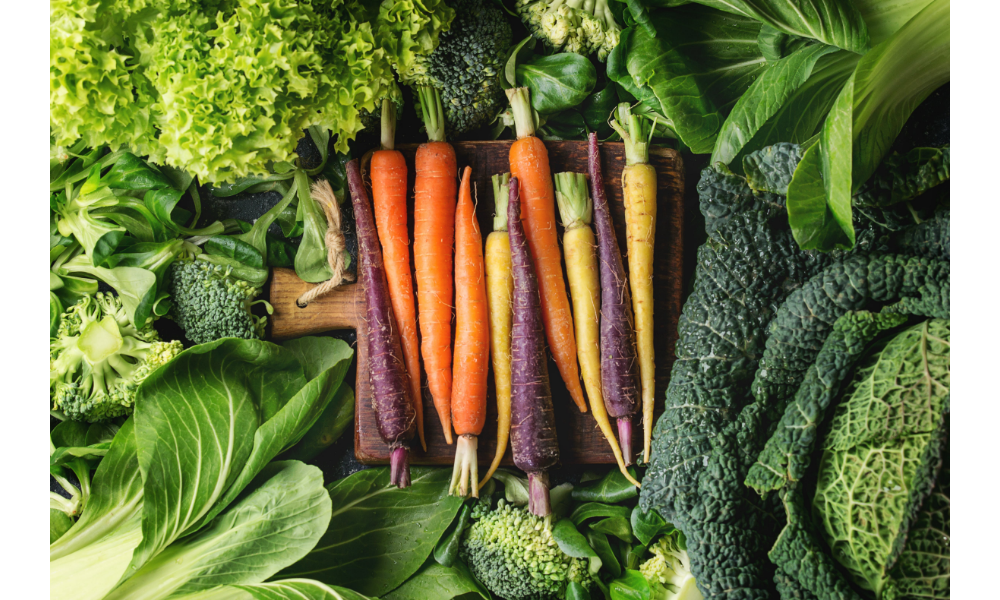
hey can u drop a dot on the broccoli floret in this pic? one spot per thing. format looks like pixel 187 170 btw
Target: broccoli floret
pixel 668 571
pixel 578 26
pixel 98 359
pixel 513 553
pixel 210 303
pixel 466 66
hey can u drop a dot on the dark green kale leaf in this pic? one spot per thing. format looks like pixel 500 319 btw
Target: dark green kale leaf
pixel 786 455
pixel 770 169
pixel 745 271
pixel 902 177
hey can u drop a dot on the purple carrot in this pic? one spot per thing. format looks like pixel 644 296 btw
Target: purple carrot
pixel 619 358
pixel 394 409
pixel 533 421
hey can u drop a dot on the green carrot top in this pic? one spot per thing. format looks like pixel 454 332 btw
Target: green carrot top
pixel 636 132
pixel 575 205
pixel 388 124
pixel 501 190
pixel 524 115
pixel 432 111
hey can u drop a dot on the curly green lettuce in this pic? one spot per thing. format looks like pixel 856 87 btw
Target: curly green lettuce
pixel 219 88
pixel 409 29
pixel 93 95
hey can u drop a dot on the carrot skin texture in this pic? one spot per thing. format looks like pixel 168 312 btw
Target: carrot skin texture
pixel 639 192
pixel 533 425
pixel 500 287
pixel 529 162
pixel 394 410
pixel 472 336
pixel 619 377
pixel 388 174
pixel 434 235
pixel 585 290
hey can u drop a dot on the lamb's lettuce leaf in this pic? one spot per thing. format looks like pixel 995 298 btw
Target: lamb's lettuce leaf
pixel 888 84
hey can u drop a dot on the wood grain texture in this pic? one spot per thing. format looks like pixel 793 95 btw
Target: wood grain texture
pixel 580 441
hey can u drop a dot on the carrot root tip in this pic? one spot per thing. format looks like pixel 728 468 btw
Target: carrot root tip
pixel 465 475
pixel 399 468
pixel 538 494
pixel 625 438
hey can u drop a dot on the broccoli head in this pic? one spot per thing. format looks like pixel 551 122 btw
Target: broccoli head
pixel 513 553
pixel 668 571
pixel 210 303
pixel 98 359
pixel 571 25
pixel 466 66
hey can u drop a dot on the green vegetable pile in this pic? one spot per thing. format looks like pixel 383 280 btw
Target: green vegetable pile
pixel 218 89
pixel 188 498
pixel 838 77
pixel 822 377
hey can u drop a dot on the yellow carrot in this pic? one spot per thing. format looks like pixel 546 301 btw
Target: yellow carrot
pixel 576 212
pixel 499 287
pixel 639 192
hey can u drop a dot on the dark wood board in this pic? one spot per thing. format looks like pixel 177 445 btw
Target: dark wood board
pixel 581 442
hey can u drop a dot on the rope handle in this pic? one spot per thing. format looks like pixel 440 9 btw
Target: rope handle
pixel 335 244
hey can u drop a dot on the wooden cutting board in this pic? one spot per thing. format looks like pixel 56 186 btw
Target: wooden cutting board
pixel 581 442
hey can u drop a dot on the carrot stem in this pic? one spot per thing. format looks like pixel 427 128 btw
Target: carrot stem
pixel 432 112
pixel 520 106
pixel 388 124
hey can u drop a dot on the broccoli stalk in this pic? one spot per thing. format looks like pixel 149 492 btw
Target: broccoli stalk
pixel 98 359
pixel 668 571
pixel 578 26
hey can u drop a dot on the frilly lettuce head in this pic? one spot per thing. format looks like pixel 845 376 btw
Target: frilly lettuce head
pixel 409 29
pixel 219 88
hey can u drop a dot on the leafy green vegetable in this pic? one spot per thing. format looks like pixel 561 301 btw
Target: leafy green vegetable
pixel 785 457
pixel 174 100
pixel 760 307
pixel 177 499
pixel 888 84
pixel 311 262
pixel 439 581
pixel 768 94
pixel 613 487
pixel 286 589
pixel 275 524
pixel 691 64
pixel 399 529
pixel 834 22
pixel 903 177
pixel 446 550
pixel 557 82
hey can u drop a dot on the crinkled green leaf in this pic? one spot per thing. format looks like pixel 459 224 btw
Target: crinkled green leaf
pixel 697 65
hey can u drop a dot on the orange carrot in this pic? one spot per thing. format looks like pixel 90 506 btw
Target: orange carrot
pixel 472 342
pixel 434 233
pixel 529 162
pixel 388 172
